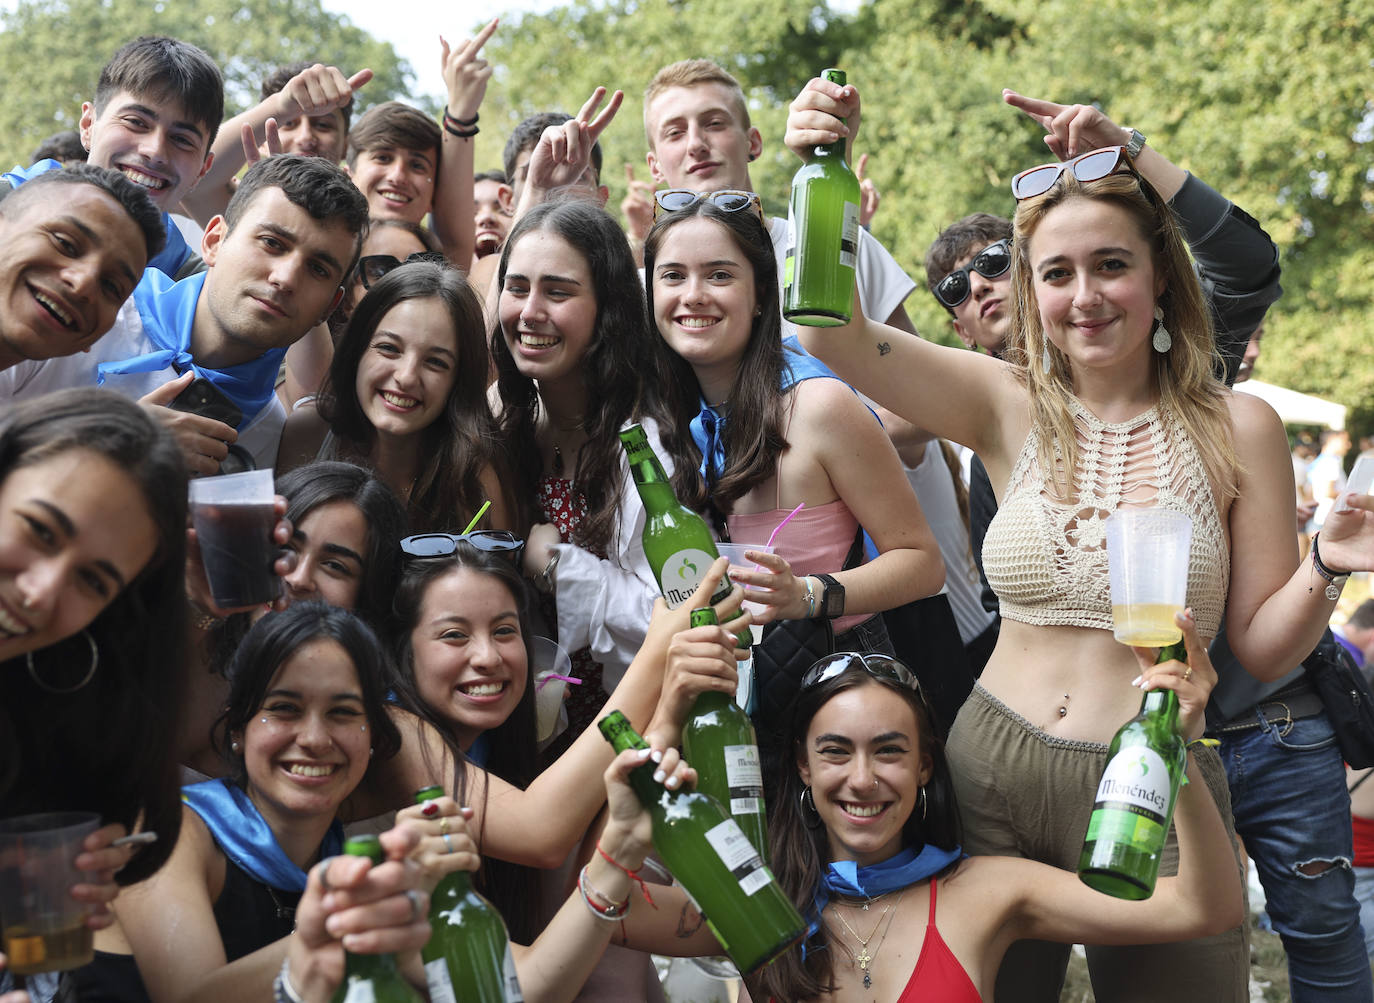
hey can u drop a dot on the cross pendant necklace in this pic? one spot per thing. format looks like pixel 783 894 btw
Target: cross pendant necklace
pixel 863 958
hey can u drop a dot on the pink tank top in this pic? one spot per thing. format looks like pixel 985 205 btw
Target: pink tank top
pixel 816 542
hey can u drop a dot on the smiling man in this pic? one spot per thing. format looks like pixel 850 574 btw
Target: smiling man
pixel 76 242
pixel 275 263
pixel 158 103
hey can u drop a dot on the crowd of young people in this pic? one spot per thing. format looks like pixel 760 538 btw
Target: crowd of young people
pixel 412 371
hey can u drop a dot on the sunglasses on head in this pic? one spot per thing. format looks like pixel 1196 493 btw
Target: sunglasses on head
pixel 1091 166
pixel 729 200
pixel 492 541
pixel 372 267
pixel 876 664
pixel 990 262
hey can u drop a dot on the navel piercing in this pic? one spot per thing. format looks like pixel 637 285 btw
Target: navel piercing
pixel 1064 710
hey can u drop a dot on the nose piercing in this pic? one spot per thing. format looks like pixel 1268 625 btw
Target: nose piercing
pixel 875 784
pixel 26 602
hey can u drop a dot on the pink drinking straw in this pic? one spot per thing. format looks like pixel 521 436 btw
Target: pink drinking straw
pixel 778 528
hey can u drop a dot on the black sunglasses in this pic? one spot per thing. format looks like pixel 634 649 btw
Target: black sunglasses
pixel 729 199
pixel 990 262
pixel 492 541
pixel 372 267
pixel 876 664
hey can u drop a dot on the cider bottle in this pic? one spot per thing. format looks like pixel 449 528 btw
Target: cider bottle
pixel 372 978
pixel 718 740
pixel 468 958
pixel 713 860
pixel 823 236
pixel 1135 799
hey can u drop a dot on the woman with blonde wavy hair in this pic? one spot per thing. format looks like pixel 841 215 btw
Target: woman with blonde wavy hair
pixel 1106 400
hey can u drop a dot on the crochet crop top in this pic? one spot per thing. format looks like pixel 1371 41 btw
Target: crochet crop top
pixel 1047 561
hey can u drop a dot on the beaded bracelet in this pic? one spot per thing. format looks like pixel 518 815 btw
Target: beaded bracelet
pixel 633 875
pixel 613 912
pixel 282 989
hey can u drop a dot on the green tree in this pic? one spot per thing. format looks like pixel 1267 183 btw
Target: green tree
pixel 51 52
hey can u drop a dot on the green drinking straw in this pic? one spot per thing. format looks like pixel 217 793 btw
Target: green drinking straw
pixel 475 519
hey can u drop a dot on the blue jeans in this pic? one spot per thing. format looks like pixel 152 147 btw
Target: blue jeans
pixel 1293 812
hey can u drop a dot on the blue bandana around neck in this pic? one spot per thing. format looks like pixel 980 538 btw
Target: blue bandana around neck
pixel 708 427
pixel 243 834
pixel 168 311
pixel 900 871
pixel 173 254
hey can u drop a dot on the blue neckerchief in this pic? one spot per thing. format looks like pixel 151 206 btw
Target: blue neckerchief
pixel 17 175
pixel 243 834
pixel 168 310
pixel 900 871
pixel 480 751
pixel 708 427
pixel 173 254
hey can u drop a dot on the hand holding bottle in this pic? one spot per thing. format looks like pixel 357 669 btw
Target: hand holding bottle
pixel 1192 682
pixel 700 660
pixel 821 114
pixel 628 836
pixel 445 845
pixel 666 623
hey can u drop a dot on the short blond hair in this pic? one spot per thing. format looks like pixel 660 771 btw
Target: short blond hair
pixel 693 73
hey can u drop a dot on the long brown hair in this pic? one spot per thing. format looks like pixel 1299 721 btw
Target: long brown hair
pixel 1185 375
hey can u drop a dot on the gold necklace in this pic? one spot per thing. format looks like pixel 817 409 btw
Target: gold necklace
pixel 865 958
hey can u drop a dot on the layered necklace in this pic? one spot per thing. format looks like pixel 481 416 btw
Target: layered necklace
pixel 865 957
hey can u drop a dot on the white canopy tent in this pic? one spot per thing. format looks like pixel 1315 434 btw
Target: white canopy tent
pixel 1295 408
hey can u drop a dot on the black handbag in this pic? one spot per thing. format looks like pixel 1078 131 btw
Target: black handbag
pixel 1348 700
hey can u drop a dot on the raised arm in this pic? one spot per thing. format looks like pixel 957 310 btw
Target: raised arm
pixel 465 75
pixel 315 91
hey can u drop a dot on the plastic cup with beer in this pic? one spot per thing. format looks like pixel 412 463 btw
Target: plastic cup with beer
pixel 552 675
pixel 45 928
pixel 1147 559
pixel 234 516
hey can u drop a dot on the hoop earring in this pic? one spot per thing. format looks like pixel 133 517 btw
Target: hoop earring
pixel 806 796
pixel 923 804
pixel 63 690
pixel 1046 363
pixel 1162 339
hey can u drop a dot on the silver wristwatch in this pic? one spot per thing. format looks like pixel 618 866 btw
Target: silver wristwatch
pixel 1135 144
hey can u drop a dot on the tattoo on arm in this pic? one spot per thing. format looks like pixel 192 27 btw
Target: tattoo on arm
pixel 688 922
pixel 884 348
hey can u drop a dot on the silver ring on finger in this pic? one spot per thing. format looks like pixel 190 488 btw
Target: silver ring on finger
pixel 416 904
pixel 448 842
pixel 322 869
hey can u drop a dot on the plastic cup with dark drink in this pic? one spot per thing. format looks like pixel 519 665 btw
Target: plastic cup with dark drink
pixel 45 928
pixel 234 516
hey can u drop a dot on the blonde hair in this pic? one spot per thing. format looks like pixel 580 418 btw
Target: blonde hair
pixel 693 73
pixel 1185 375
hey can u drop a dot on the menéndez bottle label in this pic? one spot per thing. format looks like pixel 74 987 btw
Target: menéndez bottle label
pixel 513 992
pixel 682 573
pixel 849 236
pixel 739 855
pixel 1132 804
pixel 744 777
pixel 789 259
pixel 440 985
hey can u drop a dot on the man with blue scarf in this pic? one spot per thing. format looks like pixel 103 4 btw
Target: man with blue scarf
pixel 275 265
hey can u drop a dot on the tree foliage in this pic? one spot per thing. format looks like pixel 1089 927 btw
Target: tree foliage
pixel 51 53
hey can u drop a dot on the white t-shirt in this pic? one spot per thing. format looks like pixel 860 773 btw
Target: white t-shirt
pixel 125 340
pixel 883 286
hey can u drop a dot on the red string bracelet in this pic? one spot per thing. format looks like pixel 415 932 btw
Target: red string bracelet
pixel 634 875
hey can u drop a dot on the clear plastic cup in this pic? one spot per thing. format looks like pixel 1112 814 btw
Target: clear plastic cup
pixel 1147 559
pixel 45 928
pixel 734 553
pixel 234 516
pixel 549 661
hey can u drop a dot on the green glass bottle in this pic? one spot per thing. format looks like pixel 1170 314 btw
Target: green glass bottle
pixel 677 542
pixel 719 740
pixel 823 236
pixel 468 958
pixel 1135 799
pixel 372 978
pixel 715 863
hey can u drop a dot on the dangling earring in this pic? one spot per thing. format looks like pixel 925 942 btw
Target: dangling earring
pixel 923 804
pixel 370 753
pixel 808 804
pixel 1162 340
pixel 1046 363
pixel 63 690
